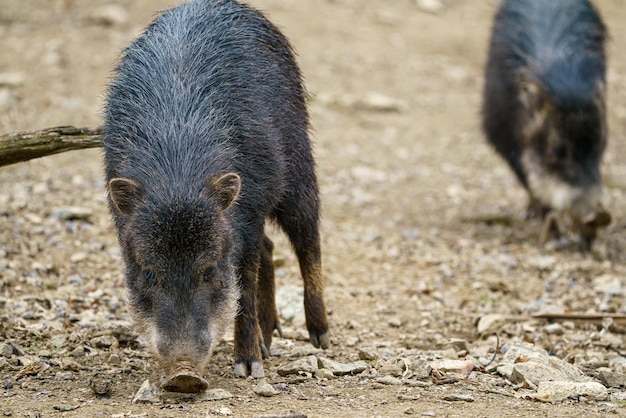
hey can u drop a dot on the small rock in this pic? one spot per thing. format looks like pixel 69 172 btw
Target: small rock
pixel 380 102
pixel 304 365
pixel 463 367
pixel 532 365
pixel 78 257
pixel 147 393
pixel 58 341
pixel 64 376
pixel 71 213
pixel 324 374
pixel 101 386
pixel 114 359
pixel 490 323
pixel 612 379
pixel 558 390
pixel 392 367
pixel 340 369
pixel 456 344
pixel 395 322
pixel 388 380
pixel 409 411
pixel 222 410
pixel 6 350
pixel 430 6
pixel 428 414
pixel 265 389
pixel 64 408
pixel 420 369
pixel 104 341
pixel 303 351
pixel 214 395
pixel 352 341
pixel 554 329
pixel 11 79
pixel 367 354
pixel 505 370
pixel 459 397
pixel 609 285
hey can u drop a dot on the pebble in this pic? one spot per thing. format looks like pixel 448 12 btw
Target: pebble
pixel 430 6
pixel 64 376
pixel 459 397
pixel 304 365
pixel 324 374
pixel 114 359
pixel 340 369
pixel 395 322
pixel 391 367
pixel 71 213
pixel 611 379
pixel 555 391
pixel 352 341
pixel 6 350
pixel 104 341
pixel 214 395
pixel 456 344
pixel 490 323
pixel 78 257
pixel 263 388
pixel 554 329
pixel 147 393
pixel 367 354
pixel 463 367
pixel 380 102
pixel 222 410
pixel 11 79
pixel 420 369
pixel 388 380
pixel 532 365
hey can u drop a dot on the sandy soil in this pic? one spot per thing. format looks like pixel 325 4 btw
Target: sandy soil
pixel 423 227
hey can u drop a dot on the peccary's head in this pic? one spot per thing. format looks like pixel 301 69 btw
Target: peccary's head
pixel 564 137
pixel 181 281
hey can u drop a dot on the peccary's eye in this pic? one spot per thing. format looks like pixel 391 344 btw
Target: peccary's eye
pixel 209 274
pixel 559 152
pixel 149 278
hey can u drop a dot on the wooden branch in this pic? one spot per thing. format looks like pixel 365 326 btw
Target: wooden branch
pixel 23 146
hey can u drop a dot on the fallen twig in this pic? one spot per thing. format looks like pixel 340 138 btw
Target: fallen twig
pixel 23 146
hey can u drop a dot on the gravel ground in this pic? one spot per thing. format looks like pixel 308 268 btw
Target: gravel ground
pixel 441 301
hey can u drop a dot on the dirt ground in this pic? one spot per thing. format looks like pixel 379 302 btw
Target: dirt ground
pixel 423 226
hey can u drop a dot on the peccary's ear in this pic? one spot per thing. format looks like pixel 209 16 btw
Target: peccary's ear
pixel 226 187
pixel 124 194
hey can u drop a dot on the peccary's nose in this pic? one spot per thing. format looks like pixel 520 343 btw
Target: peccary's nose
pixel 184 377
pixel 598 218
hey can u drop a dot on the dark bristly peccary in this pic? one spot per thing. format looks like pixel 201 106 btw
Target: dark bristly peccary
pixel 206 137
pixel 544 106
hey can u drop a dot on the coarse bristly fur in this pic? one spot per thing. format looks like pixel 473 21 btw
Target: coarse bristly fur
pixel 205 137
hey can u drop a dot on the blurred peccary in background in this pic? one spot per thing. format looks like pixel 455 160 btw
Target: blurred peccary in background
pixel 544 108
